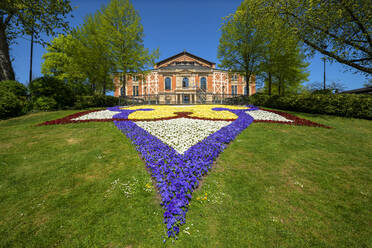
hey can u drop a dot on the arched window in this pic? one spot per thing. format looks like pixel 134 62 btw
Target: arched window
pixel 203 83
pixel 185 82
pixel 168 83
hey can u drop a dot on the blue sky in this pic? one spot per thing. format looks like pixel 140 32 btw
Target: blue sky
pixel 174 26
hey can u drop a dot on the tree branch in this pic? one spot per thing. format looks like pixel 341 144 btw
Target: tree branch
pixel 357 21
pixel 338 58
pixel 7 19
pixel 363 49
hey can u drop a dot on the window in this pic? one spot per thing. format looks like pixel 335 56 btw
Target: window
pixel 234 90
pixel 203 83
pixel 245 90
pixel 185 82
pixel 135 90
pixel 186 99
pixel 234 77
pixel 134 78
pixel 121 91
pixel 168 83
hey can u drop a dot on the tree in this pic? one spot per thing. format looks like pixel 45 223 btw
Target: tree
pixel 94 55
pixel 124 36
pixel 339 29
pixel 59 60
pixel 81 56
pixel 19 17
pixel 255 41
pixel 241 45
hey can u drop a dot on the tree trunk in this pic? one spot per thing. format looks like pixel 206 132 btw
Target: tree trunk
pixel 6 69
pixel 124 84
pixel 270 82
pixel 104 87
pixel 279 86
pixel 247 77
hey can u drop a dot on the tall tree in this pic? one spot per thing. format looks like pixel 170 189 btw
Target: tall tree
pixel 124 36
pixel 94 53
pixel 339 29
pixel 20 17
pixel 241 45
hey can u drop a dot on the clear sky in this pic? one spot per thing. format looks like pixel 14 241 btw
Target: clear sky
pixel 174 26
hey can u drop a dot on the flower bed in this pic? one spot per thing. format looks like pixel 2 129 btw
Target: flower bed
pixel 180 143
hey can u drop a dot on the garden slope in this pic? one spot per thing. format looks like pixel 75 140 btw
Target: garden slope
pixel 80 185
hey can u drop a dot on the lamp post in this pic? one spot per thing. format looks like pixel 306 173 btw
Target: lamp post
pixel 324 73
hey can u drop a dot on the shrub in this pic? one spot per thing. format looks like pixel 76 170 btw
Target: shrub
pixel 95 101
pixel 52 87
pixel 15 87
pixel 13 99
pixel 346 105
pixel 10 105
pixel 45 103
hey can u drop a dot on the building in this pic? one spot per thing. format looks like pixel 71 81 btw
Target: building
pixel 184 79
pixel 365 90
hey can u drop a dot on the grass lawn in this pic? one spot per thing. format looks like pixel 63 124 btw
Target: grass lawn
pixel 84 185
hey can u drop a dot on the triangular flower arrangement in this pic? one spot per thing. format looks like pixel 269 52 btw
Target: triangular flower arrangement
pixel 179 144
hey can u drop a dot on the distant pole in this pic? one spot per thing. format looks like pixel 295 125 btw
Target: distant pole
pixel 32 48
pixel 324 75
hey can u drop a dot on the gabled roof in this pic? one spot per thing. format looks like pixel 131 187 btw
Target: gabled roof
pixel 366 90
pixel 187 54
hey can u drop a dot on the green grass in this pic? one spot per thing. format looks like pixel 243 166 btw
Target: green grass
pixel 274 186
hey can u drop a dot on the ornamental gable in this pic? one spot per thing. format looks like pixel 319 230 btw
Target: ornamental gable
pixel 184 58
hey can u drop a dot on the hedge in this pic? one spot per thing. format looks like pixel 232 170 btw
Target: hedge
pixel 345 105
pixel 95 101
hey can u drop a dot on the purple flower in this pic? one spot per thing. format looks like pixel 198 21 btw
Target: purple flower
pixel 176 175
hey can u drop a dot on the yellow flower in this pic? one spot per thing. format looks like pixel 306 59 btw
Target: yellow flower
pixel 199 111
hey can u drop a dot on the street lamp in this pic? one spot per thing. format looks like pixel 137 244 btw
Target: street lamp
pixel 324 74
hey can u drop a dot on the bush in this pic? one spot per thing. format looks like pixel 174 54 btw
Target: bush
pixel 346 105
pixel 45 103
pixel 95 101
pixel 52 87
pixel 10 105
pixel 13 99
pixel 15 87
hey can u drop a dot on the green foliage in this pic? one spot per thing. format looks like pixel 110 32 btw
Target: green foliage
pixel 123 32
pixel 15 87
pixel 52 87
pixel 13 99
pixel 109 41
pixel 255 41
pixel 10 105
pixel 340 30
pixel 242 44
pixel 346 105
pixel 95 101
pixel 20 18
pixel 23 17
pixel 45 103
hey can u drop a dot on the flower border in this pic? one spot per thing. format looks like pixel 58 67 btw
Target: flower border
pixel 123 116
pixel 297 121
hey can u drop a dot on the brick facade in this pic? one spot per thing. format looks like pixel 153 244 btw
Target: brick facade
pixel 185 72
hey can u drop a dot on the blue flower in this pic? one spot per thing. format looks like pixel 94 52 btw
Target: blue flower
pixel 178 175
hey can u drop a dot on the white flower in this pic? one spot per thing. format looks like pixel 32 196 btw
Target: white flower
pixel 104 114
pixel 267 116
pixel 182 133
